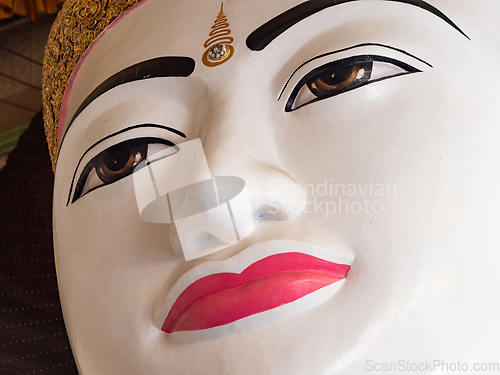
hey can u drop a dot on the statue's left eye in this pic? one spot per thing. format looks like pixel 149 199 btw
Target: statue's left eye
pixel 119 161
pixel 344 75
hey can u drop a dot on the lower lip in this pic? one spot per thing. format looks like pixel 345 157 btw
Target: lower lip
pixel 223 298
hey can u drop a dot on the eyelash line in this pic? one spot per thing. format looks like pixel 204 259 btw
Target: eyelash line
pixel 175 131
pixel 408 70
pixel 347 49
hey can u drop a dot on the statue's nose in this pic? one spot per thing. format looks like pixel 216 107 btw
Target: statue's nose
pixel 209 212
pixel 210 216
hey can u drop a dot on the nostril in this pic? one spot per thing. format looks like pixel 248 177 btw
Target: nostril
pixel 269 216
pixel 262 216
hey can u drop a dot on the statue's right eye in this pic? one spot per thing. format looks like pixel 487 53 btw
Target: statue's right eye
pixel 119 161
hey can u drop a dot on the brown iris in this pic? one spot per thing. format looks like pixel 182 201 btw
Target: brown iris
pixel 333 81
pixel 118 163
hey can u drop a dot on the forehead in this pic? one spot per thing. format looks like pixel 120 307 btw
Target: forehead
pixel 168 28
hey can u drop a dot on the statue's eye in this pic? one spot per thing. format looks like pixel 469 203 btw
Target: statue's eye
pixel 119 161
pixel 344 75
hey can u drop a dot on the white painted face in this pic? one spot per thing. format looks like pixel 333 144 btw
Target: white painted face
pixel 401 173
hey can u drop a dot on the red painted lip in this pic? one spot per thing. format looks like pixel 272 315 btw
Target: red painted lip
pixel 222 298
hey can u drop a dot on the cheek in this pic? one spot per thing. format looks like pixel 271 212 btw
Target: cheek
pixel 388 132
pixel 380 143
pixel 113 268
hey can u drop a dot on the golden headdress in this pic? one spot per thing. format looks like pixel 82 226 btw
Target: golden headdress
pixel 77 25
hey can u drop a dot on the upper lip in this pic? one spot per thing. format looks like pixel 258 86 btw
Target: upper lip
pixel 231 270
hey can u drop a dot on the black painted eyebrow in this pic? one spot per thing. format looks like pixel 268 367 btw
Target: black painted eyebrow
pixel 265 34
pixel 167 66
pixel 175 131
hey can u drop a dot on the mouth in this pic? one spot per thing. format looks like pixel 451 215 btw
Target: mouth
pixel 273 274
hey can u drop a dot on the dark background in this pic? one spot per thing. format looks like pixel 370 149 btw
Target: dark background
pixel 33 338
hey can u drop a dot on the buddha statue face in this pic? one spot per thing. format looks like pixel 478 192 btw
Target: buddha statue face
pixel 366 137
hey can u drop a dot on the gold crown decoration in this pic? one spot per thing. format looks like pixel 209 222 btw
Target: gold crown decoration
pixel 77 25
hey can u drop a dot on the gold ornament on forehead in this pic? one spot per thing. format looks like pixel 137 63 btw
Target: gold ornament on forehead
pixel 77 25
pixel 218 45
